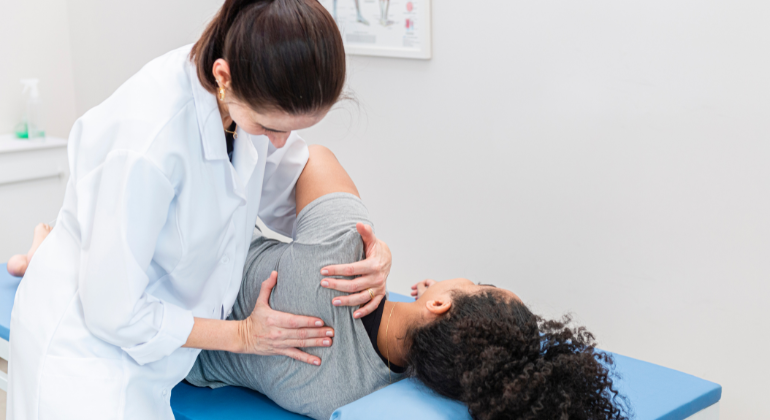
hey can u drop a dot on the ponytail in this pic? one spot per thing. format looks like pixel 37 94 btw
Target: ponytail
pixel 283 54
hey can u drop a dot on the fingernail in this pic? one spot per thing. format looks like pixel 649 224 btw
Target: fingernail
pixel 324 272
pixel 356 315
pixel 329 334
pixel 319 324
pixel 316 362
pixel 326 342
pixel 325 283
pixel 337 303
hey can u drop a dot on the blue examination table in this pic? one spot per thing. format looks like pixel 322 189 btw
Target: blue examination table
pixel 654 392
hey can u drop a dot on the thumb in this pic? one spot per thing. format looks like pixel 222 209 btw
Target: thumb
pixel 367 234
pixel 267 288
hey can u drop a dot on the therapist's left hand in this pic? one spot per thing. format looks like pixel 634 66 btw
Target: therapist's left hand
pixel 373 273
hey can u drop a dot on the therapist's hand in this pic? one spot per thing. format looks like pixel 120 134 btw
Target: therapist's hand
pixel 267 332
pixel 373 272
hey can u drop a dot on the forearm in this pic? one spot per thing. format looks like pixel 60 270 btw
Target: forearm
pixel 213 334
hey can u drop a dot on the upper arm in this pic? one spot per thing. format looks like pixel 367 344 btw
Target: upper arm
pixel 323 174
pixel 123 206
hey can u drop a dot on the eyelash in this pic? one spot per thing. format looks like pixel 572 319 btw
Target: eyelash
pixel 270 131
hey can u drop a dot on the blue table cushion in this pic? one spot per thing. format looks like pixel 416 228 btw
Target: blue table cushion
pixel 8 286
pixel 227 403
pixel 655 392
pixel 407 399
pixel 660 393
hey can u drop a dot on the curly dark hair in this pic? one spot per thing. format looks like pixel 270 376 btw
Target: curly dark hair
pixel 491 353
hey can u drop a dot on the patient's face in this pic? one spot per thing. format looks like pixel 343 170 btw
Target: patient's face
pixel 444 289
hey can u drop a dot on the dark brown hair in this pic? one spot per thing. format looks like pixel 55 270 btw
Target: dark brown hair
pixel 503 362
pixel 283 54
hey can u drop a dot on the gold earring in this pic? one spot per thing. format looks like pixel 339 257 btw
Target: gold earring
pixel 221 91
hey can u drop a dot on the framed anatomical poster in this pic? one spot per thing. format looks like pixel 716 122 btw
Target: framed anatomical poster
pixel 387 28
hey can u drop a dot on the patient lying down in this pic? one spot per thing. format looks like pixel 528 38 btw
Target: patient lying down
pixel 471 342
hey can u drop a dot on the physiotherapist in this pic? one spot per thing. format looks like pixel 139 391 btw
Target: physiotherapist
pixel 167 179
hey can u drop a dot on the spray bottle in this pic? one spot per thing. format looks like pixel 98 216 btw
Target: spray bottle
pixel 32 125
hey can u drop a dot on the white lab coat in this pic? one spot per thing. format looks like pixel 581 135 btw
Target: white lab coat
pixel 154 231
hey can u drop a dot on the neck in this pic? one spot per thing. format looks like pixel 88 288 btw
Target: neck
pixel 224 111
pixel 393 344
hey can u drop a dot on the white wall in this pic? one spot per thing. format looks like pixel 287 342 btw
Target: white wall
pixel 112 40
pixel 35 43
pixel 599 157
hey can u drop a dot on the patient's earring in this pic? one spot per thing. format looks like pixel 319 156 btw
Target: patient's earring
pixel 221 91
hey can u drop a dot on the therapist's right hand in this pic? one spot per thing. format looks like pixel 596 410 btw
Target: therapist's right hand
pixel 268 332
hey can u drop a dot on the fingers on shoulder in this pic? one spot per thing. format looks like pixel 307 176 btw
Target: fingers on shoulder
pixel 301 356
pixel 368 308
pixel 284 320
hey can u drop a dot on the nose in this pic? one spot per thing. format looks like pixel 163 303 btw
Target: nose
pixel 278 140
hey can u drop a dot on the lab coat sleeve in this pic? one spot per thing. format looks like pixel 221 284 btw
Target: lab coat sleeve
pixel 278 206
pixel 124 206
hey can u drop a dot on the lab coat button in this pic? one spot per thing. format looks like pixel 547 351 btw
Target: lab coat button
pixel 165 392
pixel 225 260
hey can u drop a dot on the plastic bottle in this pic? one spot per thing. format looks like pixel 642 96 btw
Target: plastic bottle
pixel 32 126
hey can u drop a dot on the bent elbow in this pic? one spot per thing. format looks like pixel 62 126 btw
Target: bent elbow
pixel 104 322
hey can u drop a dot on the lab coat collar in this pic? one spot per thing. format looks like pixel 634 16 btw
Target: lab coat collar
pixel 245 156
pixel 209 119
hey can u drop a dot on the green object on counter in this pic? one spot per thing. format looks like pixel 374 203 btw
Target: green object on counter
pixel 23 133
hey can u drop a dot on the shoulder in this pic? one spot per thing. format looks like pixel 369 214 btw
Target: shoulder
pixel 144 104
pixel 331 219
pixel 156 101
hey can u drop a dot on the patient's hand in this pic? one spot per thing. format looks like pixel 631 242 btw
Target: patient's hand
pixel 373 272
pixel 419 288
pixel 269 332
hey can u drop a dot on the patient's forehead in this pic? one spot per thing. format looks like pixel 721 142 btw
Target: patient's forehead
pixel 513 296
pixel 505 292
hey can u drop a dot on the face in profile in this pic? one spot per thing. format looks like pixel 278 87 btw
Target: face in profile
pixel 438 297
pixel 276 125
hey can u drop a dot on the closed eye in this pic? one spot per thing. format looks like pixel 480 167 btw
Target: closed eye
pixel 488 285
pixel 271 130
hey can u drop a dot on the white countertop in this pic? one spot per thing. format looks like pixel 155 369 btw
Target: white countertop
pixel 9 143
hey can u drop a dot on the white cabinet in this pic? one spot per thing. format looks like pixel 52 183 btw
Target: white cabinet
pixel 33 176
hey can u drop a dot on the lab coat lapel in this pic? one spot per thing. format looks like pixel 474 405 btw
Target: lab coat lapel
pixel 245 159
pixel 211 130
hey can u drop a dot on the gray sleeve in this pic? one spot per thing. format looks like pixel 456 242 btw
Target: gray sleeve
pixel 263 258
pixel 329 217
pixel 326 234
pixel 198 374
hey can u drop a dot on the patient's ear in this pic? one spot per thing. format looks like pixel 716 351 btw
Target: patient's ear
pixel 438 306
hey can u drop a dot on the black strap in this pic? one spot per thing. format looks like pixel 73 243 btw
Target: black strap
pixel 230 138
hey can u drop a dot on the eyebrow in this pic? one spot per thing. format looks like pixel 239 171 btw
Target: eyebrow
pixel 271 129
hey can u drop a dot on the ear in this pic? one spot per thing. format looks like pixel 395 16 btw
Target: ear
pixel 221 71
pixel 438 306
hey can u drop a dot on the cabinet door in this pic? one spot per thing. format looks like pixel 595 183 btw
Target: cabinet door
pixel 32 184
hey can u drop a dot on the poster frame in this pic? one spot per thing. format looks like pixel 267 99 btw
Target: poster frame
pixel 426 43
